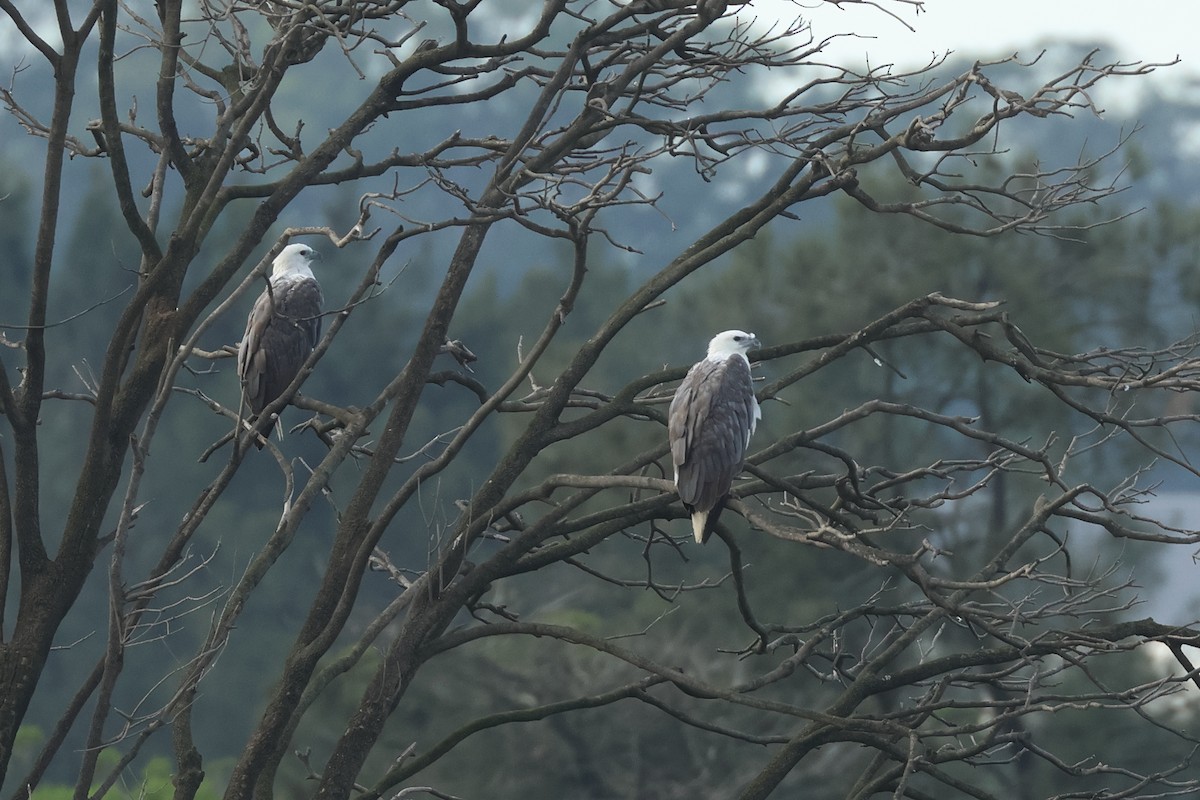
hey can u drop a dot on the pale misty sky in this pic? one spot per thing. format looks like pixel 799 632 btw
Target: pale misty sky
pixel 1145 30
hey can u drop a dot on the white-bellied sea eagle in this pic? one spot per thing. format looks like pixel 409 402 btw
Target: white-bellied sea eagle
pixel 281 331
pixel 712 417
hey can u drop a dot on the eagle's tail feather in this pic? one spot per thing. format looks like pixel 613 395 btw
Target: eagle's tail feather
pixel 703 522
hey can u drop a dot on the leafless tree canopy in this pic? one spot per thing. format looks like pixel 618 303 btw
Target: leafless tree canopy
pixel 942 677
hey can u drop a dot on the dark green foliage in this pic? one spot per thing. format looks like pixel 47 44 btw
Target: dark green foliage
pixel 1069 295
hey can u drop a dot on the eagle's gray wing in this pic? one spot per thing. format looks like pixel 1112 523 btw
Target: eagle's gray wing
pixel 709 426
pixel 281 332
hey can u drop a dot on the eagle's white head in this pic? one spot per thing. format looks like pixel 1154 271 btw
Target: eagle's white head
pixel 293 262
pixel 727 343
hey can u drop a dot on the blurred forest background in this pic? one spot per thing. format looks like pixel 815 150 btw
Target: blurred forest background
pixel 830 270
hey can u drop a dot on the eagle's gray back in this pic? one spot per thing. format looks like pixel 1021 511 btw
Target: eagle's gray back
pixel 281 332
pixel 710 422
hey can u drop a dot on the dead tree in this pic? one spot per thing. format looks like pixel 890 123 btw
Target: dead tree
pixel 610 93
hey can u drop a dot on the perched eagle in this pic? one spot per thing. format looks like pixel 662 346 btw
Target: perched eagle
pixel 712 418
pixel 282 330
